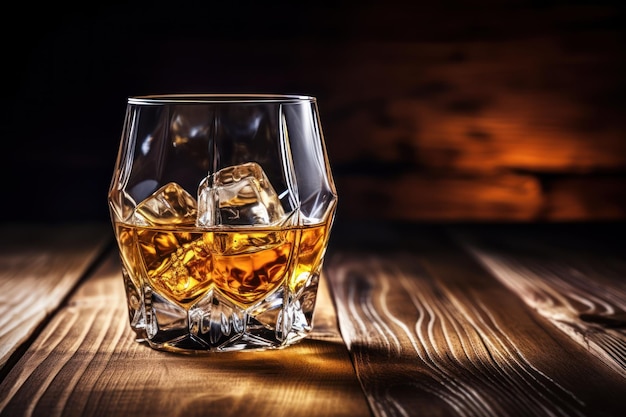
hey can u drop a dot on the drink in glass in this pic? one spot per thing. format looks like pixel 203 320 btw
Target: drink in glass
pixel 222 207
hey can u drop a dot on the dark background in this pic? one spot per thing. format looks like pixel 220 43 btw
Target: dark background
pixel 471 110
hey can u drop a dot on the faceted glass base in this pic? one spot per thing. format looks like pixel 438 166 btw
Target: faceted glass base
pixel 214 323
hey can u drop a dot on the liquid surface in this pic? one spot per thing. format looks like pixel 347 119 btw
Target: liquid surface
pixel 244 264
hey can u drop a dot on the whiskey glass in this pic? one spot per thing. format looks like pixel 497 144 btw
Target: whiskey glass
pixel 222 207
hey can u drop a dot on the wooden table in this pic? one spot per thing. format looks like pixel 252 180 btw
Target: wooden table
pixel 412 320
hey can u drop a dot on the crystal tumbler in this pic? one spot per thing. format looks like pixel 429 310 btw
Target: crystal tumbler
pixel 222 207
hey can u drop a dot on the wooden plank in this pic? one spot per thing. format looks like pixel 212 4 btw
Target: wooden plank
pixel 432 333
pixel 447 118
pixel 441 197
pixel 86 363
pixel 576 285
pixel 492 197
pixel 40 265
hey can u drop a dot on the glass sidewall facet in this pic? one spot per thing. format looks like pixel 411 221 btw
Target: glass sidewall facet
pixel 222 206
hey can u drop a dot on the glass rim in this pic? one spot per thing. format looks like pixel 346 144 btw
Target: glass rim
pixel 217 98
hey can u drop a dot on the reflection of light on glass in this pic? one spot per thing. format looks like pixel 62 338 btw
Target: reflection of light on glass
pixel 145 145
pixel 178 125
pixel 184 131
pixel 196 131
pixel 244 123
pixel 193 131
pixel 255 123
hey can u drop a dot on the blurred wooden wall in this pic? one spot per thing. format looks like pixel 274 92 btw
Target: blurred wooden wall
pixel 511 114
pixel 464 110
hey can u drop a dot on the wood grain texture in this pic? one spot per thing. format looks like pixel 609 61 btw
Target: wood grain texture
pixel 39 266
pixel 86 363
pixel 480 106
pixel 449 197
pixel 578 287
pixel 432 333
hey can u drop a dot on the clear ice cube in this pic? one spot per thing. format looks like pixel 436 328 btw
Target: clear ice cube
pixel 238 195
pixel 169 205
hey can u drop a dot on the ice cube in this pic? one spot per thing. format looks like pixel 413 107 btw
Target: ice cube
pixel 238 195
pixel 170 204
